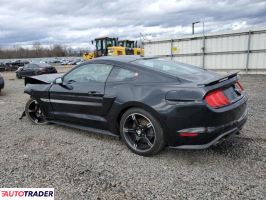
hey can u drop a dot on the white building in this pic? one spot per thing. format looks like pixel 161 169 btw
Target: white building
pixel 240 50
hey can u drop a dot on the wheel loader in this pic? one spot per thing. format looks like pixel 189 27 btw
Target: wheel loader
pixel 106 46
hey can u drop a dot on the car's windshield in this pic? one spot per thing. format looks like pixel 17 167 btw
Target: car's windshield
pixel 170 67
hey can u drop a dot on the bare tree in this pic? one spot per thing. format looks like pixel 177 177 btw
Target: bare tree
pixel 38 50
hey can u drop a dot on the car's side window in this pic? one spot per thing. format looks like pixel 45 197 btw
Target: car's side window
pixel 119 74
pixel 96 73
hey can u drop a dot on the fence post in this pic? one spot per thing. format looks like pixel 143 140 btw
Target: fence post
pixel 248 51
pixel 203 51
pixel 172 49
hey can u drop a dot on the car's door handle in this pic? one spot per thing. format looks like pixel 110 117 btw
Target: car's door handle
pixel 95 93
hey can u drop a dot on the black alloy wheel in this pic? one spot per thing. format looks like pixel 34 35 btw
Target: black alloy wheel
pixel 34 112
pixel 141 132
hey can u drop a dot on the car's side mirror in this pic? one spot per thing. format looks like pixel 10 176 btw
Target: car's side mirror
pixel 58 80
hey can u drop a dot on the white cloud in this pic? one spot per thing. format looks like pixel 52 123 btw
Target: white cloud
pixel 76 23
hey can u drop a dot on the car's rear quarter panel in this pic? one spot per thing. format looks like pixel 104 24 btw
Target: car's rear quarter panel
pixel 175 115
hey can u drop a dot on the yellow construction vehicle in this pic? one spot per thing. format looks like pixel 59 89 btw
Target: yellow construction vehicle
pixel 138 51
pixel 116 51
pixel 106 46
pixel 88 56
pixel 127 43
pixel 102 44
pixel 131 47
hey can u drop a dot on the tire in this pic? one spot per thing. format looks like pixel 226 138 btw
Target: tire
pixel 35 117
pixel 152 130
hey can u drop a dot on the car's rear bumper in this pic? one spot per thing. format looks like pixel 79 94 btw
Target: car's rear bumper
pixel 210 125
pixel 217 134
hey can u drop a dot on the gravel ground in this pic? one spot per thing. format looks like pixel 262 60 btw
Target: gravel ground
pixel 82 165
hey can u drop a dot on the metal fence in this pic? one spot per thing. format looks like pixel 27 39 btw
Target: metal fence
pixel 243 50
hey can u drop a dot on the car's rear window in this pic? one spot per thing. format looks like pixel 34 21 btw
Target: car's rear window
pixel 173 68
pixel 32 66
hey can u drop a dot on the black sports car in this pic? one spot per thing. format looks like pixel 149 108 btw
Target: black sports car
pixel 35 69
pixel 14 65
pixel 2 67
pixel 149 102
pixel 2 83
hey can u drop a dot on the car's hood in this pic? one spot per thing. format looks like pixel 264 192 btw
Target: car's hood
pixel 41 79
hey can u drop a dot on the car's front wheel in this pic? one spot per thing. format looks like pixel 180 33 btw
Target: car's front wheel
pixel 142 132
pixel 34 113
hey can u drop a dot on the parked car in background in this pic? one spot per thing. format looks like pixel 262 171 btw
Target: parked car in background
pixel 64 62
pixel 14 65
pixel 75 62
pixel 2 67
pixel 149 102
pixel 33 69
pixel 2 83
pixel 80 62
pixel 54 61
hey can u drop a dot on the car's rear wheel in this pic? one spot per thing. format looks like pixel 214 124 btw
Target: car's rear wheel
pixel 141 132
pixel 34 113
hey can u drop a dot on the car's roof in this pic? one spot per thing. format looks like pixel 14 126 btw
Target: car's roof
pixel 40 64
pixel 125 59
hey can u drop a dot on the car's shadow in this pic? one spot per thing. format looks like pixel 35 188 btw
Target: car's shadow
pixel 236 148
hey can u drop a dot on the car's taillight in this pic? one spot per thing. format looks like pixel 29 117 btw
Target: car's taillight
pixel 239 86
pixel 216 99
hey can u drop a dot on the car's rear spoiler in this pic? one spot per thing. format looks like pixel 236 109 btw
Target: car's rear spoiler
pixel 219 80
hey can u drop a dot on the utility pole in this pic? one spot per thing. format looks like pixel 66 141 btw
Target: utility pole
pixel 193 24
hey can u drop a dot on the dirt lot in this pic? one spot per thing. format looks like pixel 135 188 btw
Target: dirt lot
pixel 82 165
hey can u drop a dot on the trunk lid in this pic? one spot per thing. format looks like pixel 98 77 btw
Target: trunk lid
pixel 223 89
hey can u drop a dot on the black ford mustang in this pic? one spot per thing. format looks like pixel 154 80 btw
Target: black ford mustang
pixel 149 102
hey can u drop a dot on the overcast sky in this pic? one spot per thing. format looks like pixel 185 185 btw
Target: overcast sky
pixel 76 22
